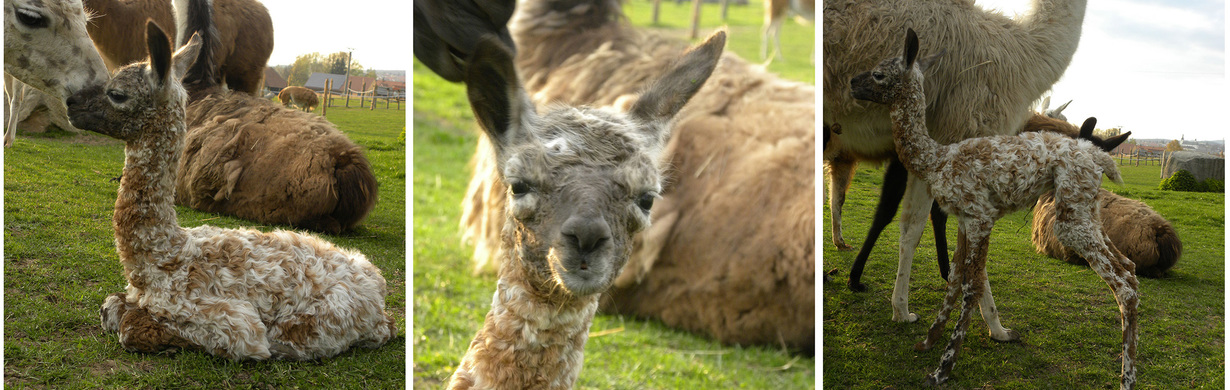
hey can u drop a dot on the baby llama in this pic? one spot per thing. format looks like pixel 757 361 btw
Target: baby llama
pixel 980 180
pixel 240 294
pixel 581 181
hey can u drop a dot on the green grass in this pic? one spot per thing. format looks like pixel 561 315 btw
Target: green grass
pixel 1067 316
pixel 450 302
pixel 60 262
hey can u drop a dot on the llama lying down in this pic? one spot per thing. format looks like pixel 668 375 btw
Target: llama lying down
pixel 236 293
pixel 581 182
pixel 980 180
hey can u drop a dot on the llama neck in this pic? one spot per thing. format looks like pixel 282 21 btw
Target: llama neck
pixel 146 228
pixel 919 153
pixel 541 333
pixel 1050 33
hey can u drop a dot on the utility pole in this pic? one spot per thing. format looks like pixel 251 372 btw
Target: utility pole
pixel 349 60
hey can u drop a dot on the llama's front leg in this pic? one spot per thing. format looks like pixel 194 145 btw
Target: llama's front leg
pixel 1109 264
pixel 913 219
pixel 956 277
pixel 971 267
pixel 841 173
pixel 227 328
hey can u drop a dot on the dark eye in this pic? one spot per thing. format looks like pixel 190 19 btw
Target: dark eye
pixel 31 19
pixel 645 202
pixel 877 76
pixel 520 188
pixel 117 96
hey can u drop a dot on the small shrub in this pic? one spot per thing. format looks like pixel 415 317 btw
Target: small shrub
pixel 1211 185
pixel 1180 181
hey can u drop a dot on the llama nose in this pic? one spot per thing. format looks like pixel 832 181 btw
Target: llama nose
pixel 587 232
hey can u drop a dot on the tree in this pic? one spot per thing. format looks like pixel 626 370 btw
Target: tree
pixel 303 68
pixel 336 62
pixel 1174 146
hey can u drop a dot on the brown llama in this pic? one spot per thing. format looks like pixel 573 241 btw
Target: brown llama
pixel 980 180
pixel 245 33
pixel 235 293
pixel 1135 228
pixel 299 96
pixel 249 157
pixel 775 12
pixel 740 191
pixel 581 182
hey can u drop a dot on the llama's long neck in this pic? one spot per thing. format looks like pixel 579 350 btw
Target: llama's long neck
pixel 1049 35
pixel 532 338
pixel 146 229
pixel 919 153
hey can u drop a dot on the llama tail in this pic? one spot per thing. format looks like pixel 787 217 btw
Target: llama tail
pixel 203 76
pixel 356 187
pixel 1108 167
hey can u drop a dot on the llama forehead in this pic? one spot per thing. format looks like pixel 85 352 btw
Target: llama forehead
pixel 568 142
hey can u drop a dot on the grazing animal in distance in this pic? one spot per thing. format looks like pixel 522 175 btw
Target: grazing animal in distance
pixel 775 12
pixel 299 96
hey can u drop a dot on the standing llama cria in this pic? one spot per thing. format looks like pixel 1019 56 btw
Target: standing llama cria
pixel 581 182
pixel 980 90
pixel 46 46
pixel 299 96
pixel 235 293
pixel 249 157
pixel 982 179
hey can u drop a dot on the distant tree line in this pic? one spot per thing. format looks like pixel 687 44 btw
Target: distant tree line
pixel 304 65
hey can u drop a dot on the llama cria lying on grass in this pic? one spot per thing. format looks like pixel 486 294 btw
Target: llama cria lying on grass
pixel 249 157
pixel 731 253
pixel 982 179
pixel 581 182
pixel 236 293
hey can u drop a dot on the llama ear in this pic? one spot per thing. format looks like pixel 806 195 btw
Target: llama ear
pixel 1114 142
pixel 159 47
pixel 667 96
pixel 911 47
pixel 1058 110
pixel 186 56
pixel 494 91
pixel 925 62
pixel 1087 128
pixel 1046 103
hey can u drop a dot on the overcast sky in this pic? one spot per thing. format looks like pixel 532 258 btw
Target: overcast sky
pixel 1155 68
pixel 378 30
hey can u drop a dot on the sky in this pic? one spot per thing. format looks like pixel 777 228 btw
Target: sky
pixel 377 30
pixel 1155 68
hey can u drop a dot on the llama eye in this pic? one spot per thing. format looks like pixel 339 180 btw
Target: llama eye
pixel 31 19
pixel 520 188
pixel 117 96
pixel 645 202
pixel 877 76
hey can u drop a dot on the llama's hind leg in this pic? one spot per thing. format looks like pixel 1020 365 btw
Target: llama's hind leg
pixel 990 314
pixel 1087 239
pixel 971 267
pixel 955 279
pixel 841 173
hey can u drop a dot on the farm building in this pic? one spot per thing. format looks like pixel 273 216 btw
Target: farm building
pixel 274 82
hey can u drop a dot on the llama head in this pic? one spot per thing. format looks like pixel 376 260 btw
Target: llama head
pixel 142 97
pixel 581 181
pixel 47 47
pixel 894 79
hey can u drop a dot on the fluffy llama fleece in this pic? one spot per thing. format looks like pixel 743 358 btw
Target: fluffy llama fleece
pixel 1139 232
pixel 731 253
pixel 982 179
pixel 251 158
pixel 235 293
pixel 581 182
pixel 979 89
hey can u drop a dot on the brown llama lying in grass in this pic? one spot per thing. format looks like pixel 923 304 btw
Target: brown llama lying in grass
pixel 249 157
pixel 1136 230
pixel 299 96
pixel 235 293
pixel 731 252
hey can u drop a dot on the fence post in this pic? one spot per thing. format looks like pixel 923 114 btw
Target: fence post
pixel 324 108
pixel 373 107
pixel 695 18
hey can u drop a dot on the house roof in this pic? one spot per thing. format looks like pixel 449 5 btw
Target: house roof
pixel 273 79
pixel 316 82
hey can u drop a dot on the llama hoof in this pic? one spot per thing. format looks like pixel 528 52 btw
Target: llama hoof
pixel 921 346
pixel 1009 336
pixel 933 380
pixel 856 286
pixel 911 317
pixel 842 246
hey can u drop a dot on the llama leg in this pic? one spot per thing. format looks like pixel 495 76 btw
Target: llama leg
pixel 1086 238
pixel 913 219
pixel 890 198
pixel 990 314
pixel 227 328
pixel 112 311
pixel 841 173
pixel 971 267
pixel 956 278
pixel 141 331
pixel 939 221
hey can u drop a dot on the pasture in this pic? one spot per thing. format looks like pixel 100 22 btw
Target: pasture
pixel 450 302
pixel 60 262
pixel 1066 315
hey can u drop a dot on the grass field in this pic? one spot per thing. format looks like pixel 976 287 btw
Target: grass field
pixel 1067 316
pixel 60 262
pixel 622 353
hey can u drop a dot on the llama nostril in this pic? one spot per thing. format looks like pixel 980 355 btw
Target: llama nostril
pixel 586 234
